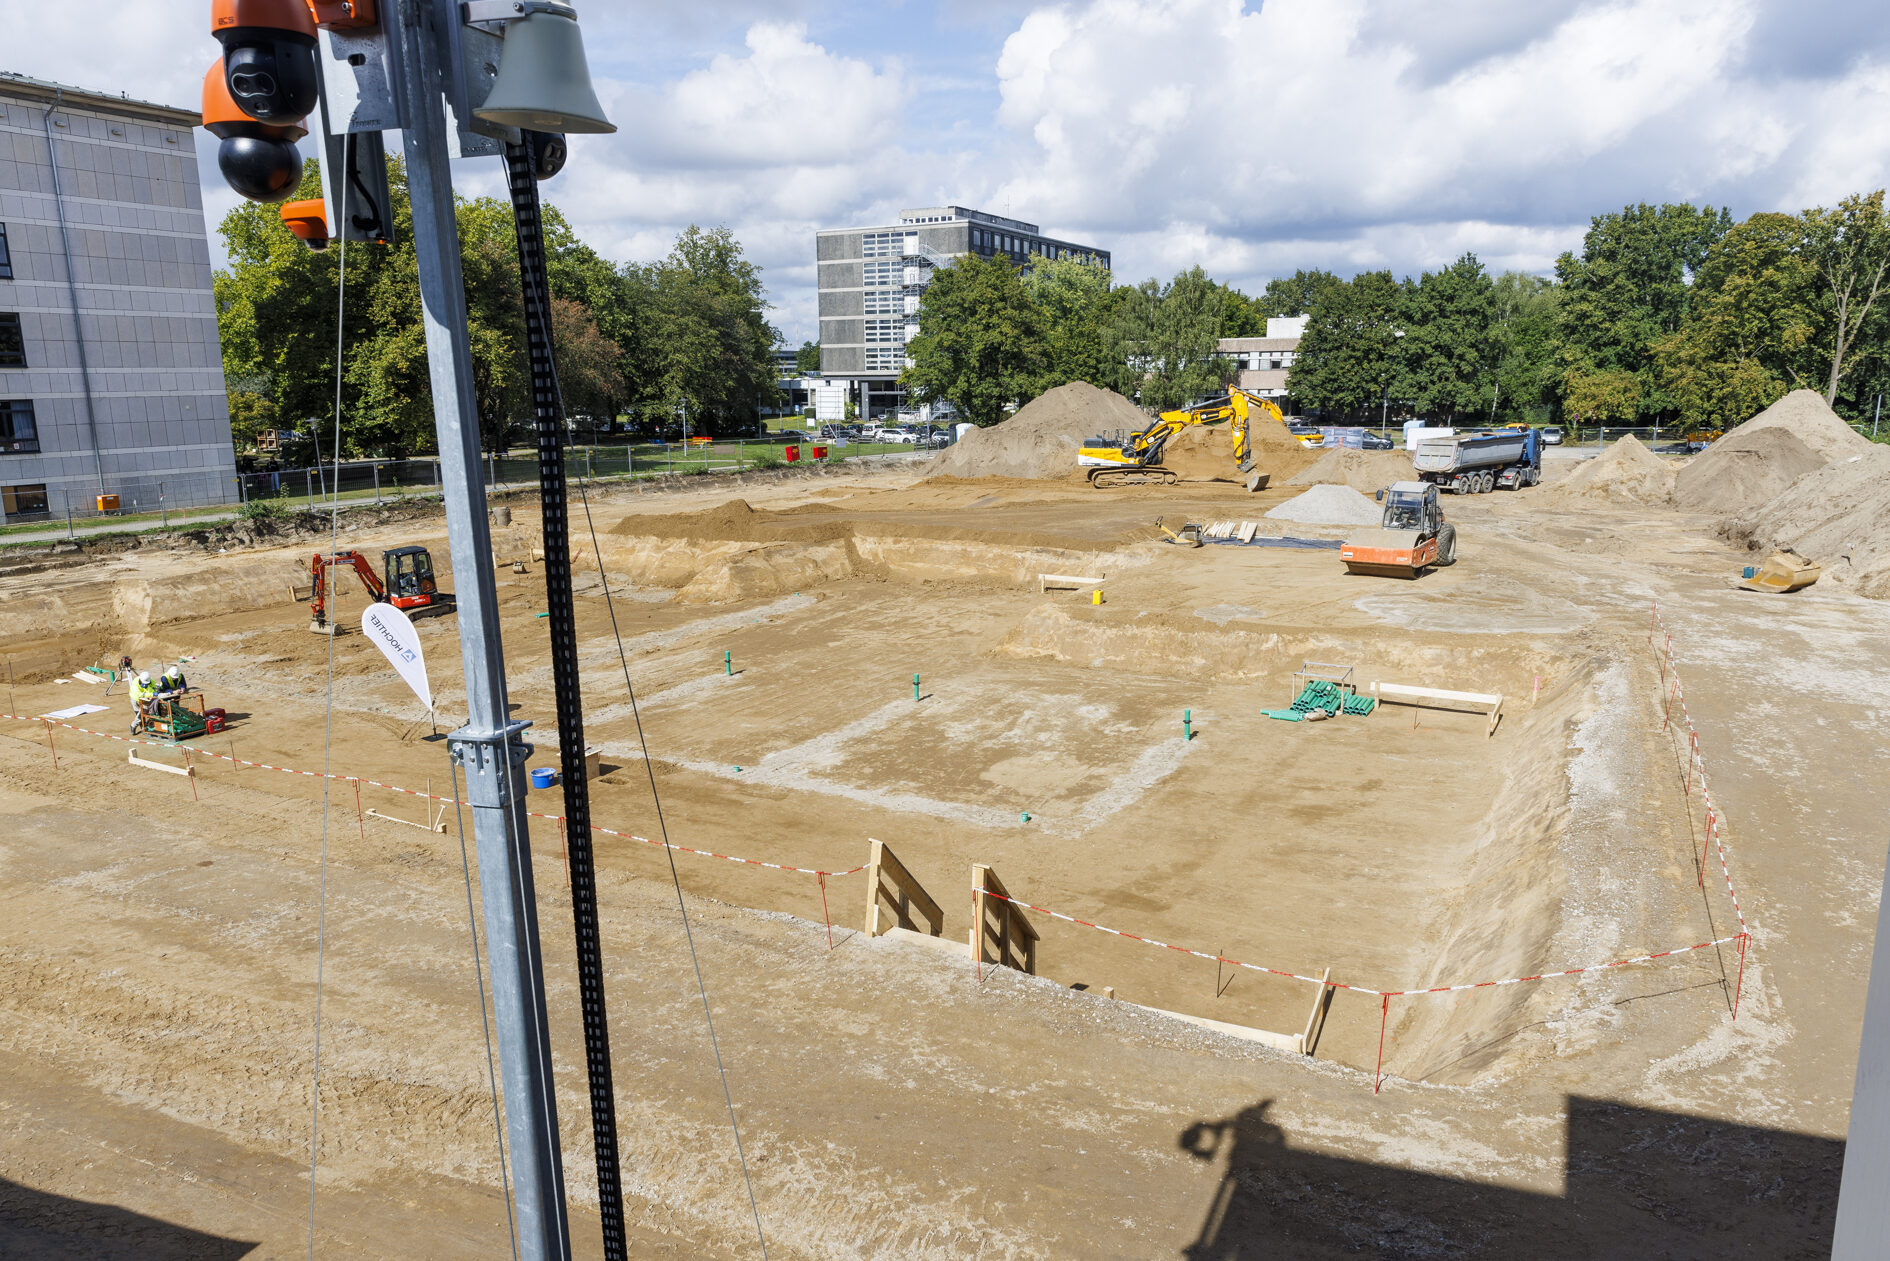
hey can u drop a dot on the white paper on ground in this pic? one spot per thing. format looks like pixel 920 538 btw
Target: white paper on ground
pixel 392 631
pixel 77 711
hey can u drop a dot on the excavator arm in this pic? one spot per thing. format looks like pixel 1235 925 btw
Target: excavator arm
pixel 319 599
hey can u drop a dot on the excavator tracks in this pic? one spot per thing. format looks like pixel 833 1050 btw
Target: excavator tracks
pixel 1103 478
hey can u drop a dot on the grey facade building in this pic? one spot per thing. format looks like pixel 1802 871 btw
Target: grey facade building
pixel 872 280
pixel 111 372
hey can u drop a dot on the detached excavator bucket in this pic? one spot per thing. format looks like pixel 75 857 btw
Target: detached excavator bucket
pixel 1782 572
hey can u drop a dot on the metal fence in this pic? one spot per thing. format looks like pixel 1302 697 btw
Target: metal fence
pixel 166 500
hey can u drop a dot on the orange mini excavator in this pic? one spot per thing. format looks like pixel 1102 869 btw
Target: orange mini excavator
pixel 409 584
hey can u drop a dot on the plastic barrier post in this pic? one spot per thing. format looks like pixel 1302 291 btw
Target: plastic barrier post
pixel 1384 1018
pixel 822 877
pixel 51 748
pixel 1740 986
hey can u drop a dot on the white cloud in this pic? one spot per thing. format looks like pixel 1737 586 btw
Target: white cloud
pixel 1347 132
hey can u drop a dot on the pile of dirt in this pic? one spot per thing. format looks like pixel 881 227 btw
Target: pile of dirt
pixel 1626 472
pixel 1756 462
pixel 1838 515
pixel 1361 470
pixel 1329 505
pixel 1040 441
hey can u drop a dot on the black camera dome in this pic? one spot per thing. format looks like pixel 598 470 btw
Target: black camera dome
pixel 259 169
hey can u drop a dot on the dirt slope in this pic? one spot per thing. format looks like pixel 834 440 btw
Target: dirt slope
pixel 1626 472
pixel 1794 436
pixel 1040 441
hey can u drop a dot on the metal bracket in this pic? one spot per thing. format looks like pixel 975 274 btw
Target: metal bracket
pixel 470 72
pixel 506 10
pixel 488 783
pixel 358 92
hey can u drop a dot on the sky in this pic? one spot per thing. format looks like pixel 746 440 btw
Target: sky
pixel 1250 138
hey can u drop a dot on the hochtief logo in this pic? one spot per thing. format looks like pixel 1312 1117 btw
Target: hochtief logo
pixel 392 632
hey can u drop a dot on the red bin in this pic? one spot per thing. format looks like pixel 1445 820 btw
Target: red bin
pixel 820 453
pixel 792 454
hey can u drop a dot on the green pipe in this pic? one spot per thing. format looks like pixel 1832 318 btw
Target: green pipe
pixel 728 664
pixel 1187 724
pixel 915 687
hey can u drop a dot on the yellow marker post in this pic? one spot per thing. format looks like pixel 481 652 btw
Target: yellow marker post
pixel 1095 597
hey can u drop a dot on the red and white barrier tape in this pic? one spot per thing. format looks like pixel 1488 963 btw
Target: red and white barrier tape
pixel 1362 989
pixel 411 792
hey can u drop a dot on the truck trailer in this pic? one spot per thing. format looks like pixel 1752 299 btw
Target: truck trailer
pixel 1477 463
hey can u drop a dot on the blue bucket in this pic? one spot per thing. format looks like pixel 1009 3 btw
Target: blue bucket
pixel 543 776
pixel 1750 571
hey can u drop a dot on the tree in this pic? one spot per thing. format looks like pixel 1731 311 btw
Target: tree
pixel 1348 356
pixel 1241 316
pixel 982 343
pixel 1744 342
pixel 1170 338
pixel 1288 296
pixel 1630 287
pixel 713 346
pixel 1076 304
pixel 1446 360
pixel 1600 395
pixel 807 358
pixel 1524 344
pixel 1848 249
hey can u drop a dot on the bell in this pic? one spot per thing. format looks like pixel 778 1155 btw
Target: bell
pixel 544 83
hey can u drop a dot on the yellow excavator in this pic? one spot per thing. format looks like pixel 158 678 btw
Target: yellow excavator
pixel 1133 459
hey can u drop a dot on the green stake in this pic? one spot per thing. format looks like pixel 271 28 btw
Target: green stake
pixel 1187 724
pixel 915 687
pixel 728 664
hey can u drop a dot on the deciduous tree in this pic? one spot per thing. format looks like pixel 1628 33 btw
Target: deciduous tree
pixel 982 343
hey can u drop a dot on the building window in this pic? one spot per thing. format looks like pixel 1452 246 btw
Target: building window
pixel 883 275
pixel 884 244
pixel 23 501
pixel 6 255
pixel 885 302
pixel 12 341
pixel 19 431
pixel 886 331
pixel 885 358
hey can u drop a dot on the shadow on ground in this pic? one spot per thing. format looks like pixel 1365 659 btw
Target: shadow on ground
pixel 1640 1183
pixel 53 1228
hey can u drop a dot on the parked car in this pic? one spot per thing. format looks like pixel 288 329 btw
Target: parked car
pixel 1552 437
pixel 903 436
pixel 1377 442
pixel 791 435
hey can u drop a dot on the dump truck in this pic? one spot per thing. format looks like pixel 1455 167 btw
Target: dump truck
pixel 1478 463
pixel 1412 537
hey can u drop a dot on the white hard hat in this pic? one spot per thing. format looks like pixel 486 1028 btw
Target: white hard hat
pixel 171 671
pixel 144 678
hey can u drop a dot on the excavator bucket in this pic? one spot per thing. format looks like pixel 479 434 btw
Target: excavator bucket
pixel 1782 572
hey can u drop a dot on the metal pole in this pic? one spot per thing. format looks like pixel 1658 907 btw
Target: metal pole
pixel 1876 418
pixel 377 483
pixel 1863 1209
pixel 164 516
pixel 489 746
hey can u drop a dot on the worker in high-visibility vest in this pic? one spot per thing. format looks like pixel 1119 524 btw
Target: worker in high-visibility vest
pixel 173 681
pixel 143 692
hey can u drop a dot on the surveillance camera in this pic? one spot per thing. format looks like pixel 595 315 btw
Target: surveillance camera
pixel 268 57
pixel 308 220
pixel 549 152
pixel 260 168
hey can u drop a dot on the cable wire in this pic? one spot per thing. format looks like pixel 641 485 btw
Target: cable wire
pixel 328 728
pixel 676 879
pixel 479 977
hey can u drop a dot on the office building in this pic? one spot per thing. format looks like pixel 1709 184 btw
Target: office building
pixel 111 373
pixel 872 280
pixel 1265 361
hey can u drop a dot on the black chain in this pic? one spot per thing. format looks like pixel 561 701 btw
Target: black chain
pixel 549 412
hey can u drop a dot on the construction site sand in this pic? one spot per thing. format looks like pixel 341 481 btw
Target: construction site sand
pixel 1366 471
pixel 1041 440
pixel 1755 462
pixel 1838 515
pixel 1033 701
pixel 1329 505
pixel 1626 472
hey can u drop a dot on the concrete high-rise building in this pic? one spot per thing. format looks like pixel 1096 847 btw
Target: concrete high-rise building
pixel 111 372
pixel 872 280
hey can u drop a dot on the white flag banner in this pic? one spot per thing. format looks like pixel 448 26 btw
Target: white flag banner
pixel 393 633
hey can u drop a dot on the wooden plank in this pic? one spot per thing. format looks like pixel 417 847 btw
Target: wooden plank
pixel 874 852
pixel 188 772
pixel 884 868
pixel 1046 581
pixel 1247 529
pixel 1402 691
pixel 1307 1040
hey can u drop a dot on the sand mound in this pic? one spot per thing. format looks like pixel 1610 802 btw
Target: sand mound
pixel 1329 505
pixel 1627 472
pixel 1040 441
pixel 1838 515
pixel 1361 470
pixel 1755 462
pixel 1744 469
